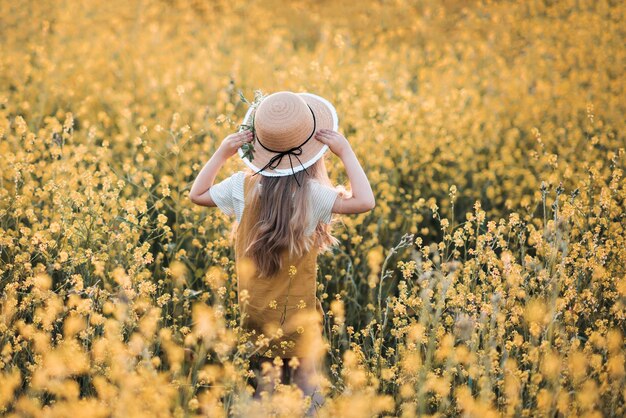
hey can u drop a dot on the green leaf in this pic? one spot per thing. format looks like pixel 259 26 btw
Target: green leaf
pixel 248 150
pixel 243 98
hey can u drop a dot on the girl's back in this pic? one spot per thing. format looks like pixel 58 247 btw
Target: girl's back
pixel 286 300
pixel 284 219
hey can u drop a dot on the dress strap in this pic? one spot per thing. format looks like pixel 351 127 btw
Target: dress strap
pixel 249 183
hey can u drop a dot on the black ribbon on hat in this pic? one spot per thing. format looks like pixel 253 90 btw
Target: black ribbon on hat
pixel 295 151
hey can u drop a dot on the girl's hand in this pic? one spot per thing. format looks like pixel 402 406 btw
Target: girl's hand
pixel 337 143
pixel 233 142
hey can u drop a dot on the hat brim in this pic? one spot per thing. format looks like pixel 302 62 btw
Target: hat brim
pixel 313 150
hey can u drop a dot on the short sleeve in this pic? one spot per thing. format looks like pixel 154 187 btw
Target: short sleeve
pixel 323 199
pixel 224 193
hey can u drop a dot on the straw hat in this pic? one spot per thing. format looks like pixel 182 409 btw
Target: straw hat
pixel 285 124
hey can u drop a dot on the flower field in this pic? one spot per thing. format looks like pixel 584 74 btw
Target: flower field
pixel 489 280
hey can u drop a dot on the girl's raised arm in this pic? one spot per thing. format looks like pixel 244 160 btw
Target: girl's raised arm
pixel 362 198
pixel 199 193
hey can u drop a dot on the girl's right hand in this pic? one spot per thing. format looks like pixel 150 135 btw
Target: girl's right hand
pixel 337 143
pixel 233 142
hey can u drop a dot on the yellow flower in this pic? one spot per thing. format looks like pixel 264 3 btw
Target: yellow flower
pixel 456 122
pixel 292 271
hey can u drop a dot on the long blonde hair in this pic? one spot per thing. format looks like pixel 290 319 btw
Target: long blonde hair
pixel 283 209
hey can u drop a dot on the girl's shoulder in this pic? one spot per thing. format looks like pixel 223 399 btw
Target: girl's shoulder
pixel 319 187
pixel 228 194
pixel 322 197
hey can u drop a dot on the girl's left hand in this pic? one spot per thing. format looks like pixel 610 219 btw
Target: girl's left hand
pixel 233 142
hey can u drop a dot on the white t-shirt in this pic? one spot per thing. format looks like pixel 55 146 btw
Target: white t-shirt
pixel 229 198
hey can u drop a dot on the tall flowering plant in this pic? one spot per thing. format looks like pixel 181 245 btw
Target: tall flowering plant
pixel 248 148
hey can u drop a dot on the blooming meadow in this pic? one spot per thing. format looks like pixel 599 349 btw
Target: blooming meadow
pixel 489 280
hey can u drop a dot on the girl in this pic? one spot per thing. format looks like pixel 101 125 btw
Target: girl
pixel 284 219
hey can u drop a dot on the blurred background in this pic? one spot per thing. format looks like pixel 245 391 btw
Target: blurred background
pixel 492 134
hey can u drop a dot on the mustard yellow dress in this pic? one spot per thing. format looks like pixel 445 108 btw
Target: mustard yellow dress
pixel 287 301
